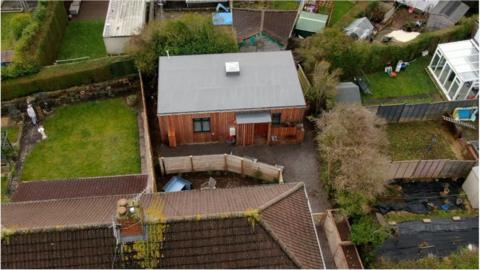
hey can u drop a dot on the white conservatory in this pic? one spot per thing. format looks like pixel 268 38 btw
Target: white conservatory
pixel 454 67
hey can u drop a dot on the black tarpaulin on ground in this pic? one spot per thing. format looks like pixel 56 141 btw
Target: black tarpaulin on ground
pixel 423 197
pixel 415 239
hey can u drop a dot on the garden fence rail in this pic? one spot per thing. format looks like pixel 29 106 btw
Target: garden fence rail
pixel 438 168
pixel 401 113
pixel 221 162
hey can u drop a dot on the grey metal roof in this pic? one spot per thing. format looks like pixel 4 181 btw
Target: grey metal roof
pixel 124 18
pixel 454 10
pixel 362 27
pixel 348 93
pixel 198 83
pixel 253 117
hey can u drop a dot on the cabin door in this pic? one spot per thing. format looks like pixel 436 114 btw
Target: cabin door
pixel 261 133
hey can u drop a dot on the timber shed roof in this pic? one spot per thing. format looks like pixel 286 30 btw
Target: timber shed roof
pixel 267 226
pixel 199 83
pixel 125 18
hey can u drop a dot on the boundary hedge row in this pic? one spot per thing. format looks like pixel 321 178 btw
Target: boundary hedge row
pixel 40 41
pixel 67 75
pixel 355 56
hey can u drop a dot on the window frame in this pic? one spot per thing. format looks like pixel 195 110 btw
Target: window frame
pixel 202 120
pixel 274 115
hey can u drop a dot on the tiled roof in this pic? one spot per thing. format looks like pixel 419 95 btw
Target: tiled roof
pixel 79 187
pixel 203 229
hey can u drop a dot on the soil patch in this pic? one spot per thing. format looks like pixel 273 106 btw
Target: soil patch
pixel 224 180
pixel 352 257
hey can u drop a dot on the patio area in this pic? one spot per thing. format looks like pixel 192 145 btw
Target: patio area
pixel 300 161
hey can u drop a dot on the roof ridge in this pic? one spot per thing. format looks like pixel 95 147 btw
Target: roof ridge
pixel 86 178
pixel 67 199
pixel 284 248
pixel 277 199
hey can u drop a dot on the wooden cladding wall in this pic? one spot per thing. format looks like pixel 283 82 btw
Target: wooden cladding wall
pixel 220 122
pixel 438 168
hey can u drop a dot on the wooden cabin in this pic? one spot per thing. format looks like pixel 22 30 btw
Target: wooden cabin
pixel 241 98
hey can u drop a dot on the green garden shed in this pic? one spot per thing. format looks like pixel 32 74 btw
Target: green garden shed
pixel 310 23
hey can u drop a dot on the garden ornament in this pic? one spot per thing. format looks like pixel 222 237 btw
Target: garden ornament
pixel 31 113
pixel 41 130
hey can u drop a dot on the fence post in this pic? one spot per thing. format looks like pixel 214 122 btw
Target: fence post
pixel 191 162
pixel 225 165
pixel 280 176
pixel 241 166
pixel 162 167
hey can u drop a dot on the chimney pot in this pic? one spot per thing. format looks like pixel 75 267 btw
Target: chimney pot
pixel 122 202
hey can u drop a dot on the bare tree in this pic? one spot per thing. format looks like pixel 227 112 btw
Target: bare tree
pixel 321 95
pixel 353 142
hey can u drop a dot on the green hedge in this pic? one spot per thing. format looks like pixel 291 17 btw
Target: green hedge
pixel 67 75
pixel 40 41
pixel 355 56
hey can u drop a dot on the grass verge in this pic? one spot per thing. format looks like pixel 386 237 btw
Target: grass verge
pixel 420 140
pixel 403 216
pixel 83 38
pixel 90 139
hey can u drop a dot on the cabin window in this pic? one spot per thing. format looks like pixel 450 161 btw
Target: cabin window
pixel 201 124
pixel 276 118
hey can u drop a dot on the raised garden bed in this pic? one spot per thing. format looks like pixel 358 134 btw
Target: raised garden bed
pixel 352 257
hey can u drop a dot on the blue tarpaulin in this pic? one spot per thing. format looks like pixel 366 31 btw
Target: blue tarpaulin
pixel 222 18
pixel 177 183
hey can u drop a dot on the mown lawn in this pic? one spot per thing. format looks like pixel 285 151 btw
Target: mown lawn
pixel 88 139
pixel 83 38
pixel 341 8
pixel 412 141
pixel 411 85
pixel 8 39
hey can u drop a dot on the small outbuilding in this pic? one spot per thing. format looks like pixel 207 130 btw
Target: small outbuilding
pixel 454 68
pixel 446 14
pixel 360 28
pixel 348 93
pixel 310 23
pixel 242 98
pixel 422 5
pixel 124 20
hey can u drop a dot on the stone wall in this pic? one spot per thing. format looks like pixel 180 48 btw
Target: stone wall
pixel 45 100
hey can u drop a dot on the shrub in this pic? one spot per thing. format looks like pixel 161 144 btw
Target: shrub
pixel 353 204
pixel 353 142
pixel 39 41
pixel 18 24
pixel 188 34
pixel 367 231
pixel 68 75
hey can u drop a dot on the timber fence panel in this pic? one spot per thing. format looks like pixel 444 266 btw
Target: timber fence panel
pixel 222 162
pixel 418 112
pixel 207 163
pixel 177 164
pixel 439 168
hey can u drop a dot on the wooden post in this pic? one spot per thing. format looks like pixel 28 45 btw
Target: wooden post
pixel 225 165
pixel 280 175
pixel 191 162
pixel 269 133
pixel 241 167
pixel 163 171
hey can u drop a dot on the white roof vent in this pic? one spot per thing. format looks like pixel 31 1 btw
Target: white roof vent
pixel 232 68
